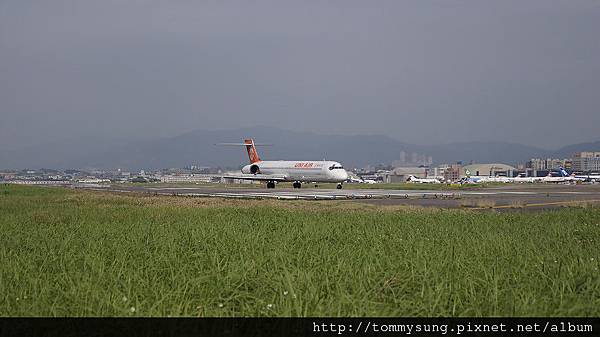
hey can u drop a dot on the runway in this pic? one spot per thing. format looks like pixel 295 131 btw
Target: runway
pixel 511 196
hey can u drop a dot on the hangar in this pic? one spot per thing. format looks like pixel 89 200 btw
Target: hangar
pixel 491 169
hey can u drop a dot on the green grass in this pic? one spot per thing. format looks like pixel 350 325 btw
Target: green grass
pixel 79 253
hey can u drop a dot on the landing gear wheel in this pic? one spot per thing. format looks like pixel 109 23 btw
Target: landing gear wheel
pixel 297 184
pixel 339 186
pixel 270 184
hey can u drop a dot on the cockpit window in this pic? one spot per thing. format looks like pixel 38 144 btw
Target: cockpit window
pixel 335 167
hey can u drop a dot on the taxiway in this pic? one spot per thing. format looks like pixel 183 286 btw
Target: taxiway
pixel 501 197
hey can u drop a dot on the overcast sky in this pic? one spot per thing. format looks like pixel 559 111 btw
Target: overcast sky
pixel 419 71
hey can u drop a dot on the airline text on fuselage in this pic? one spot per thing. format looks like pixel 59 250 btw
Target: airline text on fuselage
pixel 307 165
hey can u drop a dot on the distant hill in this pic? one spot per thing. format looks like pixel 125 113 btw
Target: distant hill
pixel 484 152
pixel 198 147
pixel 567 151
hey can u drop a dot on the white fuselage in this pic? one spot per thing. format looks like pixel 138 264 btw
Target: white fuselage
pixel 413 179
pixel 566 179
pixel 488 179
pixel 520 179
pixel 303 171
pixel 588 177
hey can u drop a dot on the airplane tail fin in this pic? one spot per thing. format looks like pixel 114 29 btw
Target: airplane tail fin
pixel 563 172
pixel 250 148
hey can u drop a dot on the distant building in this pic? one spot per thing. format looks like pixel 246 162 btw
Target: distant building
pixel 412 159
pixel 7 175
pixel 453 172
pixel 586 161
pixel 539 164
pixel 568 164
pixel 400 174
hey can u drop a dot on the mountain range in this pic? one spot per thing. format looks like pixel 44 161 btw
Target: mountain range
pixel 198 148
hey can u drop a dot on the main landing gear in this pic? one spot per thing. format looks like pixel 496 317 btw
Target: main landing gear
pixel 270 184
pixel 339 186
pixel 297 184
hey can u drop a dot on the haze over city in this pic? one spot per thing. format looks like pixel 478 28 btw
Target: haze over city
pixel 421 72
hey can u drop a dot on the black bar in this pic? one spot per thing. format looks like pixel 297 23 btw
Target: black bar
pixel 231 327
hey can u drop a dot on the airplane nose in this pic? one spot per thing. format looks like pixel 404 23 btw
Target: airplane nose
pixel 343 175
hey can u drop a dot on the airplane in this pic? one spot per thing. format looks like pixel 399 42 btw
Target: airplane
pixel 563 178
pixel 354 180
pixel 298 172
pixel 488 179
pixel 587 177
pixel 361 180
pixel 413 179
pixel 469 179
pixel 521 178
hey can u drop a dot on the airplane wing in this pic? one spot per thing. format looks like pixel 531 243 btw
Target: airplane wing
pixel 260 177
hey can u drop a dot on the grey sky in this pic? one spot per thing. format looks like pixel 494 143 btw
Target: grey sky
pixel 419 71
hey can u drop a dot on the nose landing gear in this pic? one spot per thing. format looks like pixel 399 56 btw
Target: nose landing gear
pixel 270 184
pixel 339 186
pixel 297 184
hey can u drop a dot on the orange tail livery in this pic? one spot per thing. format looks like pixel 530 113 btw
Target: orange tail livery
pixel 252 154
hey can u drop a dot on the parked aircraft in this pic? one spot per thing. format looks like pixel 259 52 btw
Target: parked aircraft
pixel 354 180
pixel 592 177
pixel 298 172
pixel 589 177
pixel 487 179
pixel 521 178
pixel 361 180
pixel 563 178
pixel 369 181
pixel 413 179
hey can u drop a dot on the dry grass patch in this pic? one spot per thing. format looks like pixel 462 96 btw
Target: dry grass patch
pixel 478 203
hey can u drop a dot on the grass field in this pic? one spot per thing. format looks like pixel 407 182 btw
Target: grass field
pixel 82 253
